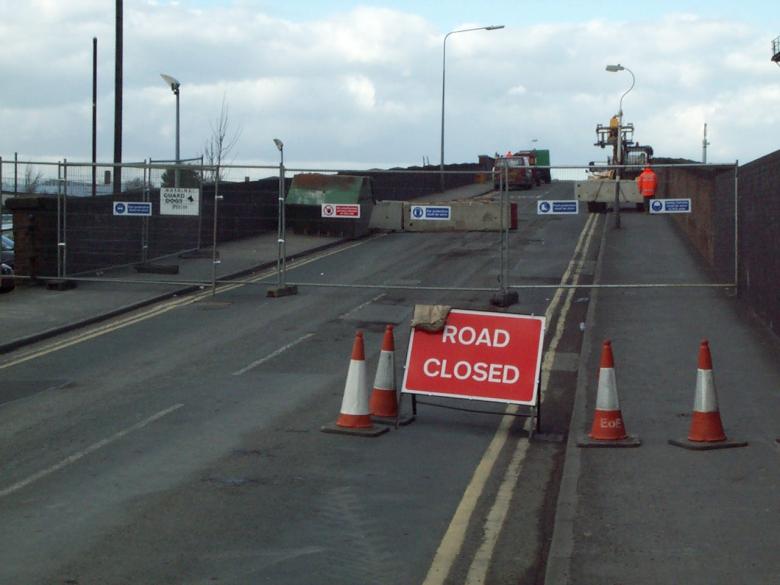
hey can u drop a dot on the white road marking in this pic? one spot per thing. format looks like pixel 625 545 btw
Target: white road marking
pixel 272 355
pixel 83 453
pixel 361 306
pixel 452 542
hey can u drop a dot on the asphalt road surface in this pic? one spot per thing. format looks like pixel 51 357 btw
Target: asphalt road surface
pixel 182 444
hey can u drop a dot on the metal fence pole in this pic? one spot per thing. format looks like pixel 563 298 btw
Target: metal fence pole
pixel 16 173
pixel 736 226
pixel 59 218
pixel 214 260
pixel 64 242
pixel 200 203
pixel 147 170
pixel 283 214
pixel 504 197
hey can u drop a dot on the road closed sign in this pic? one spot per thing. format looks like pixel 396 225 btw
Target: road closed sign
pixel 478 355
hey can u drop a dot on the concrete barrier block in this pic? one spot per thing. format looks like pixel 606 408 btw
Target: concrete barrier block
pixel 388 216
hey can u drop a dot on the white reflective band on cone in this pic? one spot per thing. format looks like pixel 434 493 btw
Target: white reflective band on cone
pixel 607 398
pixel 355 399
pixel 706 398
pixel 384 372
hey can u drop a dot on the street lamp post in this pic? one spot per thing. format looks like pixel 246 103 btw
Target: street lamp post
pixel 619 153
pixel 443 77
pixel 174 85
pixel 281 289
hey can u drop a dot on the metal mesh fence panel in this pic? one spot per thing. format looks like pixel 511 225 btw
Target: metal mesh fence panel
pixel 188 223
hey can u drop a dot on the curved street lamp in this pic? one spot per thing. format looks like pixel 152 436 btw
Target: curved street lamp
pixel 174 84
pixel 443 71
pixel 615 69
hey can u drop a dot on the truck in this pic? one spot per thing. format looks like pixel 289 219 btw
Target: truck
pixel 598 191
pixel 538 158
pixel 515 169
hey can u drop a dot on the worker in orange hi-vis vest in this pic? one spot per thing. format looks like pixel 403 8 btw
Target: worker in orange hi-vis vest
pixel 647 182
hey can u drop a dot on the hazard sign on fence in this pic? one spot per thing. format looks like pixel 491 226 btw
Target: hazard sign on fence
pixel 341 210
pixel 478 355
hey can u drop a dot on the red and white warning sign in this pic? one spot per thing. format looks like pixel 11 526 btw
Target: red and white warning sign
pixel 478 355
pixel 341 210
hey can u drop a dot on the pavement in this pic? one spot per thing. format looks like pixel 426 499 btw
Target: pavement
pixel 647 515
pixel 659 513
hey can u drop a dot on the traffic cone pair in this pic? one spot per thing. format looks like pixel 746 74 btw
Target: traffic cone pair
pixel 608 429
pixel 706 430
pixel 356 406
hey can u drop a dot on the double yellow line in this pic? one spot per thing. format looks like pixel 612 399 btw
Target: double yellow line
pixel 450 547
pixel 161 308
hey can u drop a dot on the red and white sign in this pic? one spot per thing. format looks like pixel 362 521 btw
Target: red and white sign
pixel 341 210
pixel 478 355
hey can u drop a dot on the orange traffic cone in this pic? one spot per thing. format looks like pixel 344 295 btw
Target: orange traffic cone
pixel 384 401
pixel 608 429
pixel 355 417
pixel 384 396
pixel 706 430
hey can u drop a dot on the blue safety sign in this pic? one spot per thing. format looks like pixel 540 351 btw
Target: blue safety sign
pixel 432 212
pixel 566 207
pixel 132 208
pixel 670 206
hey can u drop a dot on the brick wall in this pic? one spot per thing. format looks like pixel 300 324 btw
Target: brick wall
pixel 711 226
pixel 96 239
pixel 759 234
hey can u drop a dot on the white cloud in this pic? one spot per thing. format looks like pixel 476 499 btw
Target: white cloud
pixel 365 85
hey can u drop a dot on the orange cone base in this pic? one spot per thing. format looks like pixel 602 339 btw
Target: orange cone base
pixel 354 421
pixel 707 445
pixel 608 426
pixel 383 403
pixel 589 442
pixel 706 426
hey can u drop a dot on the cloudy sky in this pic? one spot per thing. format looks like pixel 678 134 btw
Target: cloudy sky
pixel 347 83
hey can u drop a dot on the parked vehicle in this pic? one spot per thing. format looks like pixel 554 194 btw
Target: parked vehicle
pixel 7 250
pixel 516 170
pixel 537 158
pixel 7 283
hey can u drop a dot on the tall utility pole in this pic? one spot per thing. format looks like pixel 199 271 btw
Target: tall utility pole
pixel 94 115
pixel 704 144
pixel 118 100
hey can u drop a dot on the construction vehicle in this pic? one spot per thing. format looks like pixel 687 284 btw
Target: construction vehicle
pixel 599 190
pixel 538 158
pixel 514 169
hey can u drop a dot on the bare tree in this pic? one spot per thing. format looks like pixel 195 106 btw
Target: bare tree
pixel 32 179
pixel 220 144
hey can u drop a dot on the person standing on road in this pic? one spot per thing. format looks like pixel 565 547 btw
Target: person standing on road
pixel 647 182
